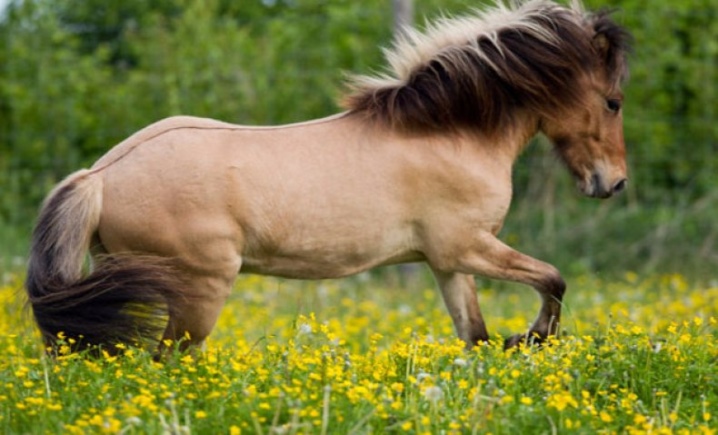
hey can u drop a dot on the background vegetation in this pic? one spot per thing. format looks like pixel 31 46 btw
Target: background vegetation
pixel 76 77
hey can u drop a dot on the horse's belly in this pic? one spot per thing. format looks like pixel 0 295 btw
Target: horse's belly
pixel 310 269
pixel 329 258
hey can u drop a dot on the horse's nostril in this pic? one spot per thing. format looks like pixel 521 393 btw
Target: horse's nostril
pixel 620 185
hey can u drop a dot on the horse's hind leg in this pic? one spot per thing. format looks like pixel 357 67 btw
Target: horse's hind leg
pixel 459 293
pixel 193 317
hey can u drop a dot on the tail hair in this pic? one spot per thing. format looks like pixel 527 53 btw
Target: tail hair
pixel 124 299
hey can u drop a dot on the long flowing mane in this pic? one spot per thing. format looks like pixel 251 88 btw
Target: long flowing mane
pixel 474 72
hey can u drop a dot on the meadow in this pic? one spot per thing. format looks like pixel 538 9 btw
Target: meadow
pixel 377 354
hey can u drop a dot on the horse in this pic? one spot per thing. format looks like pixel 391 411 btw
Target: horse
pixel 416 168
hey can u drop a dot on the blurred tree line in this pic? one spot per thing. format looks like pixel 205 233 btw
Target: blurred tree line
pixel 76 77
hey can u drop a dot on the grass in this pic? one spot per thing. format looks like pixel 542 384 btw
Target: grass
pixel 365 355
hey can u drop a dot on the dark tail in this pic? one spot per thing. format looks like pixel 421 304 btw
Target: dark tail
pixel 122 300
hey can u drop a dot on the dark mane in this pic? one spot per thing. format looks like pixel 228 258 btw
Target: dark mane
pixel 475 72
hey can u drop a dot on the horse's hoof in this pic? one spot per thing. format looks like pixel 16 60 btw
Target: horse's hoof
pixel 514 341
pixel 523 339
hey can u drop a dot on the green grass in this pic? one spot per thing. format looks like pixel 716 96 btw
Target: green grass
pixel 362 356
pixel 13 249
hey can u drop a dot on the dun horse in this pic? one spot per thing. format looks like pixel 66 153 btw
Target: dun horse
pixel 418 168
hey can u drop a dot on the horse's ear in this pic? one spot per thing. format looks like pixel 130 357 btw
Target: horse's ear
pixel 611 44
pixel 602 45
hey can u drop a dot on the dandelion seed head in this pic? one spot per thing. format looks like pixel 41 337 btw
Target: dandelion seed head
pixel 305 329
pixel 433 393
pixel 460 362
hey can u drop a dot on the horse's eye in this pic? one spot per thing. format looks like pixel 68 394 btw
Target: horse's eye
pixel 613 105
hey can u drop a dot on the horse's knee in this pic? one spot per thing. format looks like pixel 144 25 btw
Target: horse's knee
pixel 552 285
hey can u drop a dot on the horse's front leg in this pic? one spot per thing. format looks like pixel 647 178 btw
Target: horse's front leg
pixel 487 256
pixel 459 294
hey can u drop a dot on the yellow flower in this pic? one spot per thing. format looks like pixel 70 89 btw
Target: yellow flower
pixel 506 400
pixel 54 407
pixel 605 417
pixel 561 400
pixel 200 414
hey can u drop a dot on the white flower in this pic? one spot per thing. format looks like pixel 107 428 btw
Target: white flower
pixel 460 362
pixel 134 421
pixel 280 430
pixel 433 394
pixel 305 329
pixel 421 376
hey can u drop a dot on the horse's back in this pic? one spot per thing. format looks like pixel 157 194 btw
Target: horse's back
pixel 154 131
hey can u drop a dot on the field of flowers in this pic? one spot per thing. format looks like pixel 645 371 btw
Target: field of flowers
pixel 365 355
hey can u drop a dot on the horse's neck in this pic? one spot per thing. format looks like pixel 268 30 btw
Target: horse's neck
pixel 506 145
pixel 514 140
pixel 502 148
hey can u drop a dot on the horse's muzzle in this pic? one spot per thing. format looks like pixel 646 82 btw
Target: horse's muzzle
pixel 595 188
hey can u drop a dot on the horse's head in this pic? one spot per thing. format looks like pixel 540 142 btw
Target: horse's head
pixel 590 142
pixel 588 134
